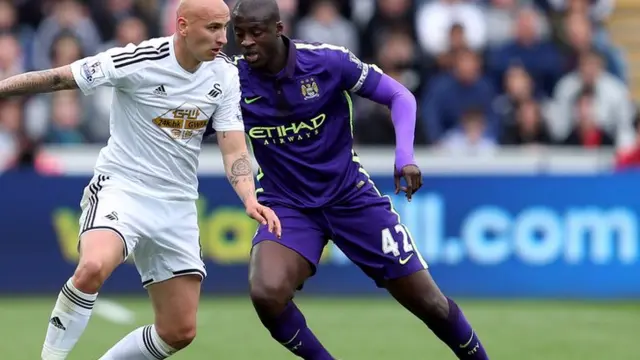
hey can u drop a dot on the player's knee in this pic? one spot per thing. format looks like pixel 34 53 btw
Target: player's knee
pixel 178 336
pixel 436 304
pixel 270 294
pixel 90 275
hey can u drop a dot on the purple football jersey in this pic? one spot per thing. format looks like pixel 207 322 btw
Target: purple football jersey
pixel 300 125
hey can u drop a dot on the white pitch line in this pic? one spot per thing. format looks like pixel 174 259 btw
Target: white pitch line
pixel 114 312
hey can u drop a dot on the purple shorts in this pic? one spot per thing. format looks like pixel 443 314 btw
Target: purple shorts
pixel 366 229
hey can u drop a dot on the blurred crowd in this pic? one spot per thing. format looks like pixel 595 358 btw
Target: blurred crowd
pixel 486 73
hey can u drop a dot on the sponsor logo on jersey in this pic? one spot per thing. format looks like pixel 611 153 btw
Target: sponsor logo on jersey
pixel 183 123
pixel 216 91
pixel 286 134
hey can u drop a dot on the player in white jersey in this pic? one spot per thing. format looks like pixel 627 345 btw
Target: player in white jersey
pixel 141 200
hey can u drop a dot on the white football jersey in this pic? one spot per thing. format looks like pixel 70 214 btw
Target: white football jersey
pixel 159 113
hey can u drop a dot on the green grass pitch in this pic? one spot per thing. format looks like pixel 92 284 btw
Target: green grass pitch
pixel 355 329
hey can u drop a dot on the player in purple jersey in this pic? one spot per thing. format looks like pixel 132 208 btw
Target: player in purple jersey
pixel 297 111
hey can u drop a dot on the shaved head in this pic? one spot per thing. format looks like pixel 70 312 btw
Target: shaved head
pixel 192 9
pixel 201 27
pixel 257 10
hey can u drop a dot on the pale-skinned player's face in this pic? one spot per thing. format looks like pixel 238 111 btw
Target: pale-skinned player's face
pixel 205 34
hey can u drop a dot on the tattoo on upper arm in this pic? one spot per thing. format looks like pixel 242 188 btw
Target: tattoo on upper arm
pixel 38 82
pixel 240 170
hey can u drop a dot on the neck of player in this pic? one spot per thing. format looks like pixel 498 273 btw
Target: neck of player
pixel 280 59
pixel 184 56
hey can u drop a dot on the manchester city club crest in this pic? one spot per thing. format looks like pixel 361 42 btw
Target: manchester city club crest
pixel 309 88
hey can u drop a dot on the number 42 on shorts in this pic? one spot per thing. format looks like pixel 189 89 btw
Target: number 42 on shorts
pixel 391 246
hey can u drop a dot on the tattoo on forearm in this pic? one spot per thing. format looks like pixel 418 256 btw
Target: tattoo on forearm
pixel 240 170
pixel 38 82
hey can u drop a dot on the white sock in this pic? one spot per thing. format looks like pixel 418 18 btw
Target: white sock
pixel 141 344
pixel 67 322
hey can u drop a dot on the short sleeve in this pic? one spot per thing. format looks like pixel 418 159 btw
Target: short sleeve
pixel 228 116
pixel 356 76
pixel 109 68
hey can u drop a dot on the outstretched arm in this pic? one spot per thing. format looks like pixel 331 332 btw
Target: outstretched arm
pixel 403 107
pixel 38 82
pixel 368 81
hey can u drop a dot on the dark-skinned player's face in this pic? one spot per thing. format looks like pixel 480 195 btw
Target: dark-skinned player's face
pixel 257 38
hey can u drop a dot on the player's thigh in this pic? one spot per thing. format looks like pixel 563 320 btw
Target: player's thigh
pixel 283 264
pixel 175 304
pixel 171 244
pixel 373 237
pixel 107 226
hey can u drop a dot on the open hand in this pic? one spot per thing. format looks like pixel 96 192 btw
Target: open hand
pixel 412 177
pixel 265 216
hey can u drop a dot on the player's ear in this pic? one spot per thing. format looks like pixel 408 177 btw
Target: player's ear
pixel 279 28
pixel 181 26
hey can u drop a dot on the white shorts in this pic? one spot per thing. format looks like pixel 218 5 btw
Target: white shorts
pixel 161 235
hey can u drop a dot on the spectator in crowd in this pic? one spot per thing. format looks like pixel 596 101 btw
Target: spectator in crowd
pixel 10 110
pixel 398 58
pixel 472 137
pixel 447 98
pixel 587 132
pixel 538 56
pixel 10 127
pixel 68 15
pixel 11 59
pixel 519 88
pixel 325 25
pixel 597 11
pixel 66 48
pixel 66 119
pixel 108 14
pixel 500 18
pixel 613 110
pixel 440 65
pixel 43 113
pixel 567 88
pixel 630 158
pixel 528 126
pixel 436 17
pixel 388 14
pixel 577 39
pixel 9 25
pixel 129 30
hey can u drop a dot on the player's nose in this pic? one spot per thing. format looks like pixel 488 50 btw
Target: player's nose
pixel 247 42
pixel 222 38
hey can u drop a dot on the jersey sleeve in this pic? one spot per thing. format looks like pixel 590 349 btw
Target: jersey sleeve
pixel 356 76
pixel 228 116
pixel 100 69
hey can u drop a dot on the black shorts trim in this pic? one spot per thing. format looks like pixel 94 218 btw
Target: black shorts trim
pixel 178 273
pixel 94 189
pixel 190 272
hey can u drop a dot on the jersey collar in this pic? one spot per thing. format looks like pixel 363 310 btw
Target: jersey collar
pixel 290 67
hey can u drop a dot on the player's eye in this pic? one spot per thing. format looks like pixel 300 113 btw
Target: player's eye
pixel 256 32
